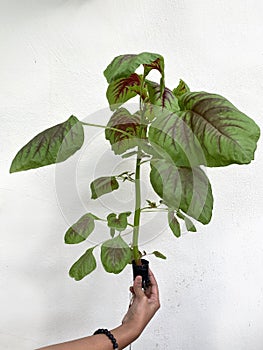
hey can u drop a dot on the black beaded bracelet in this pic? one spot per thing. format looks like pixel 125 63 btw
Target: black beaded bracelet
pixel 109 335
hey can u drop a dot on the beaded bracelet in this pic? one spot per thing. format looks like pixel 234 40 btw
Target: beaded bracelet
pixel 109 335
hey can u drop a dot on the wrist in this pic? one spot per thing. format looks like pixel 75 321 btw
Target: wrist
pixel 132 328
pixel 126 333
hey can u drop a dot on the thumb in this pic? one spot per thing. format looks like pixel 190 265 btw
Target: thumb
pixel 137 286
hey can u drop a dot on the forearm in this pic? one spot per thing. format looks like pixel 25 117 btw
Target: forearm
pixel 124 335
pixel 140 312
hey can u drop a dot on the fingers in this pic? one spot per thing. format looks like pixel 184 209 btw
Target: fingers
pixel 152 290
pixel 154 285
pixel 137 286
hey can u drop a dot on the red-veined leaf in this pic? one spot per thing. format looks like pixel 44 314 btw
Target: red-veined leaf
pixel 157 64
pixel 208 130
pixel 53 145
pixel 181 89
pixel 124 121
pixel 124 65
pixel 226 135
pixel 115 255
pixel 165 99
pixel 81 229
pixel 183 188
pixel 103 185
pixel 118 223
pixel 121 90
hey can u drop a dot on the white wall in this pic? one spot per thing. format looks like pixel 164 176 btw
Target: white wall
pixel 52 56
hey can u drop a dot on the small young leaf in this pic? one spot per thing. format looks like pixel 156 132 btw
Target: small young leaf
pixel 80 230
pixel 165 100
pixel 112 232
pixel 159 255
pixel 157 64
pixel 124 65
pixel 83 266
pixel 174 224
pixel 181 89
pixel 119 91
pixel 115 255
pixel 139 90
pixel 151 204
pixel 183 188
pixel 124 121
pixel 118 223
pixel 53 145
pixel 103 185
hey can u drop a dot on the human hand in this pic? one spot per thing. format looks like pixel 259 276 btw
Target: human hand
pixel 144 304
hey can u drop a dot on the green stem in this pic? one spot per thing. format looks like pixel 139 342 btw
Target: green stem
pixel 154 210
pixel 137 211
pixel 108 128
pixel 145 161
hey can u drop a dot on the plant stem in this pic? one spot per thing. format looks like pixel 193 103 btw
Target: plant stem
pixel 109 128
pixel 137 211
pixel 154 210
pixel 145 161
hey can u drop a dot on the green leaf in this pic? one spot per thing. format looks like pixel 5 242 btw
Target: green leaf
pixel 53 145
pixel 181 89
pixel 120 90
pixel 148 149
pixel 112 232
pixel 157 64
pixel 103 185
pixel 139 90
pixel 164 99
pixel 124 65
pixel 118 223
pixel 174 224
pixel 226 135
pixel 151 204
pixel 124 121
pixel 174 139
pixel 180 215
pixel 81 229
pixel 183 188
pixel 83 266
pixel 189 225
pixel 159 255
pixel 209 130
pixel 129 154
pixel 115 255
